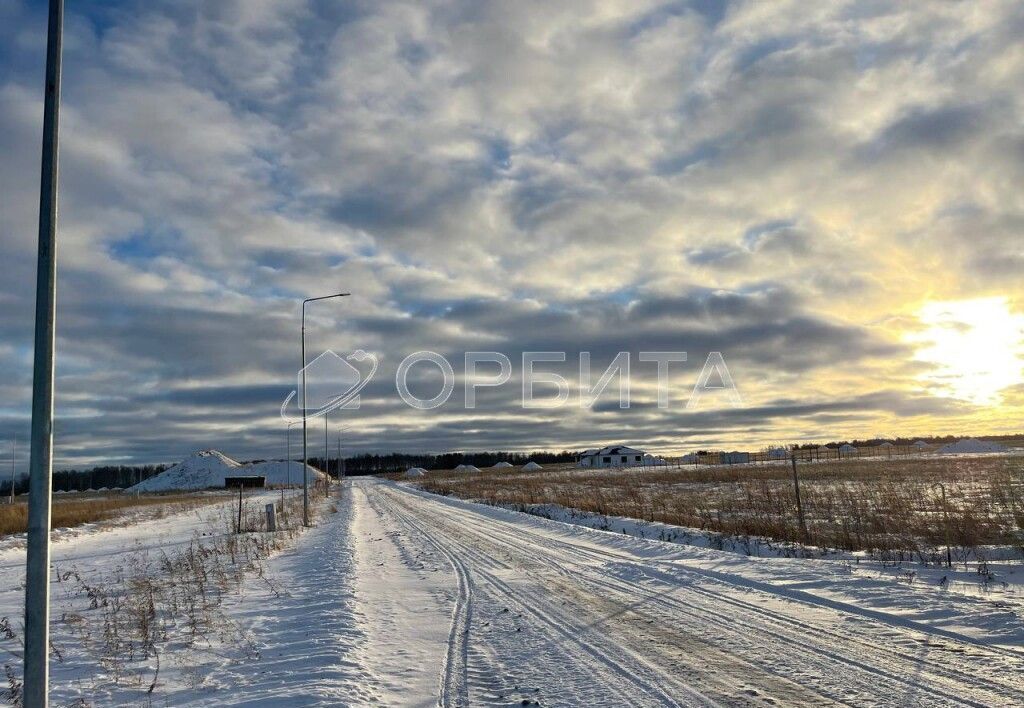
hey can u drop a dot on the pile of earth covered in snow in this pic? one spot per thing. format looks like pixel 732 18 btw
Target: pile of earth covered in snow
pixel 970 446
pixel 208 468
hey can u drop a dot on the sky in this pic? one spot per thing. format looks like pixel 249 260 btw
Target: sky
pixel 826 193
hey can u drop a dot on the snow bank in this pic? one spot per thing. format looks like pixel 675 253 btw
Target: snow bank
pixel 970 445
pixel 532 466
pixel 279 472
pixel 501 465
pixel 208 468
pixel 415 472
pixel 470 468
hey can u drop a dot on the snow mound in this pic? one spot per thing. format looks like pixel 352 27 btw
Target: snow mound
pixel 970 445
pixel 209 468
pixel 531 466
pixel 415 472
pixel 470 468
pixel 280 473
pixel 501 465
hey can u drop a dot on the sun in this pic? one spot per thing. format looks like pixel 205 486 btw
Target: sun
pixel 974 347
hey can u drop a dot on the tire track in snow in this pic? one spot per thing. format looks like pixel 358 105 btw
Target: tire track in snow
pixel 793 632
pixel 453 684
pixel 634 677
pixel 774 623
pixel 943 682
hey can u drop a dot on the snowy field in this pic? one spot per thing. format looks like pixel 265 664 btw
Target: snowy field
pixel 400 597
pixel 907 509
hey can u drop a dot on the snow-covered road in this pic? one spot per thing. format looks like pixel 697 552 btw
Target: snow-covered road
pixel 460 603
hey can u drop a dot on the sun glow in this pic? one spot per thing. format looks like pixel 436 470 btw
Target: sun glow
pixel 974 347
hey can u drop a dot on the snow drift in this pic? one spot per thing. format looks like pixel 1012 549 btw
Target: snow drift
pixel 208 468
pixel 970 445
pixel 531 466
pixel 415 472
pixel 501 465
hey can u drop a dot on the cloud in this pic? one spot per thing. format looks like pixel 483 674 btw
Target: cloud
pixel 782 183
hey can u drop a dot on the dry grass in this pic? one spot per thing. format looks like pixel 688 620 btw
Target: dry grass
pixel 87 509
pixel 123 626
pixel 889 506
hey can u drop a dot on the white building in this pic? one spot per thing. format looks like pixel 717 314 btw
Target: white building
pixel 612 456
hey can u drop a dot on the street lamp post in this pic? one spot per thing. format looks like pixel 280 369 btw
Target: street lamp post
pixel 305 454
pixel 37 560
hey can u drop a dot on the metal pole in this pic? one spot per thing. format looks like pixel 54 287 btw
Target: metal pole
pixel 14 463
pixel 305 453
pixel 37 563
pixel 799 505
pixel 327 460
pixel 945 519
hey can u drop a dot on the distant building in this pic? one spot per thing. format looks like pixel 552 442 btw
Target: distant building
pixel 778 453
pixel 612 456
pixel 735 458
pixel 847 449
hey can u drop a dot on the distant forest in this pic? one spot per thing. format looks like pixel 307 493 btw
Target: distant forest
pixel 123 476
pixel 103 477
pixel 395 462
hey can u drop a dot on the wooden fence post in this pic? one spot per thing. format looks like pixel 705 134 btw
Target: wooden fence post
pixel 799 505
pixel 238 528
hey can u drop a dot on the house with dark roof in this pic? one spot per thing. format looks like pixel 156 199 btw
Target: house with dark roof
pixel 611 456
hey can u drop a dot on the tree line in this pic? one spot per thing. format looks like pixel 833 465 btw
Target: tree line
pixel 102 477
pixel 367 464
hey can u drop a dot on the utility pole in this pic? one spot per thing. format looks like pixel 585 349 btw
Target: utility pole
pixel 799 505
pixel 327 460
pixel 37 561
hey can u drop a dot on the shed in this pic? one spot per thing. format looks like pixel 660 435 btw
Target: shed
pixel 245 482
